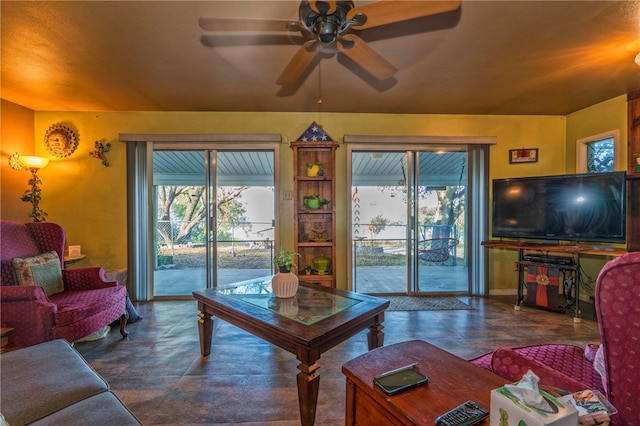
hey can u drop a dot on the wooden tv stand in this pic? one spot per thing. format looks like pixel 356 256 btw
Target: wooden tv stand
pixel 565 258
pixel 452 381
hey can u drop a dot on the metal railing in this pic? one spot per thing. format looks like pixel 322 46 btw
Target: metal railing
pixel 190 252
pixel 387 248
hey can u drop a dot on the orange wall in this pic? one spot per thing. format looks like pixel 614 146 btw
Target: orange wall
pixel 16 136
pixel 89 200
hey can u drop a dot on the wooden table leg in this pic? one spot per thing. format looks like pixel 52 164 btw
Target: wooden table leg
pixel 375 337
pixel 205 330
pixel 308 386
pixel 350 404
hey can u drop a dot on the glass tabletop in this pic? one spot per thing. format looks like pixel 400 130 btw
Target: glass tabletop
pixel 308 306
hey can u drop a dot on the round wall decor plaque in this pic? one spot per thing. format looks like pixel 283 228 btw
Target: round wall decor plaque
pixel 60 140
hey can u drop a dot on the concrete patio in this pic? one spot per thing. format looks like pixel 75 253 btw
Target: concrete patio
pixel 369 280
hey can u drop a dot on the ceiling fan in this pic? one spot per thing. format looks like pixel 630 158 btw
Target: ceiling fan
pixel 331 26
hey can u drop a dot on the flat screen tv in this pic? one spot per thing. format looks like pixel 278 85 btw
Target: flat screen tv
pixel 579 207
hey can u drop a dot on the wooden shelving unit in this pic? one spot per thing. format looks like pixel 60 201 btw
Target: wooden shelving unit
pixel 315 230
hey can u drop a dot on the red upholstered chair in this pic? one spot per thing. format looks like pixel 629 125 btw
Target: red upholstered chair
pixel 613 367
pixel 86 303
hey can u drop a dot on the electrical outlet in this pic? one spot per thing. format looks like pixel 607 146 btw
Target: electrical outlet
pixel 287 195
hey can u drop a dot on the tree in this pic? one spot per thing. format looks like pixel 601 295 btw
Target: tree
pixel 230 211
pixel 600 156
pixel 186 203
pixel 166 197
pixel 451 203
pixel 427 216
pixel 377 225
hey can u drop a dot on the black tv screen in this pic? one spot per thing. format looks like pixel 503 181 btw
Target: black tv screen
pixel 578 207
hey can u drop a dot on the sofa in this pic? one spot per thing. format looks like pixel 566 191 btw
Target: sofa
pixel 51 384
pixel 40 300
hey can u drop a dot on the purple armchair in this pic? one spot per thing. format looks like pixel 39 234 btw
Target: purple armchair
pixel 613 367
pixel 84 303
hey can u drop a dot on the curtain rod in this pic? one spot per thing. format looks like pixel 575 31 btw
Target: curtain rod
pixel 443 140
pixel 201 137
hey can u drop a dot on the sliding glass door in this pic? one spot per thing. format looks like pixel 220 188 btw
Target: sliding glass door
pixel 379 222
pixel 214 216
pixel 408 221
pixel 439 195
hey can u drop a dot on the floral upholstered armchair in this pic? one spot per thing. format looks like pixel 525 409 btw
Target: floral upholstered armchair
pixel 40 299
pixel 612 367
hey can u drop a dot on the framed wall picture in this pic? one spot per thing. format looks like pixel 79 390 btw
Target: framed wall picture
pixel 523 155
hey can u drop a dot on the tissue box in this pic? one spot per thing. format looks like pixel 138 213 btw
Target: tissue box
pixel 506 410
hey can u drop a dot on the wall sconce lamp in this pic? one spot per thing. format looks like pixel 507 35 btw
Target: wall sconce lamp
pixel 33 195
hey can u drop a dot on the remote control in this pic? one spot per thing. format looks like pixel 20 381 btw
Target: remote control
pixel 466 414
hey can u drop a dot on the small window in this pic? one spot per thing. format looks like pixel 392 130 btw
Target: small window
pixel 599 153
pixel 600 156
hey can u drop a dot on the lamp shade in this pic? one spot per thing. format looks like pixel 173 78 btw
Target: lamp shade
pixel 33 162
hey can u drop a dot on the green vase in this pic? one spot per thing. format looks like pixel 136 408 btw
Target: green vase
pixel 322 265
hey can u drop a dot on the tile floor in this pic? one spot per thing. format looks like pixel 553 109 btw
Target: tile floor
pixel 158 372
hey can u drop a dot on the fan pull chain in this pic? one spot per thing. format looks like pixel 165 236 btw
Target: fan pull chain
pixel 319 100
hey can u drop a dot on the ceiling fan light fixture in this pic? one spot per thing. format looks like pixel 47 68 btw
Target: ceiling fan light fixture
pixel 325 20
pixel 327 30
pixel 326 26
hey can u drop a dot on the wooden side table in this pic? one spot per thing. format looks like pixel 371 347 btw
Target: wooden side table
pixel 452 381
pixel 4 339
pixel 70 260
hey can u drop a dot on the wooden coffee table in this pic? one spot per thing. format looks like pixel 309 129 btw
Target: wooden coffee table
pixel 307 325
pixel 452 381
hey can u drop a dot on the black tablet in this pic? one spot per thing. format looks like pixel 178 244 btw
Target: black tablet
pixel 400 379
